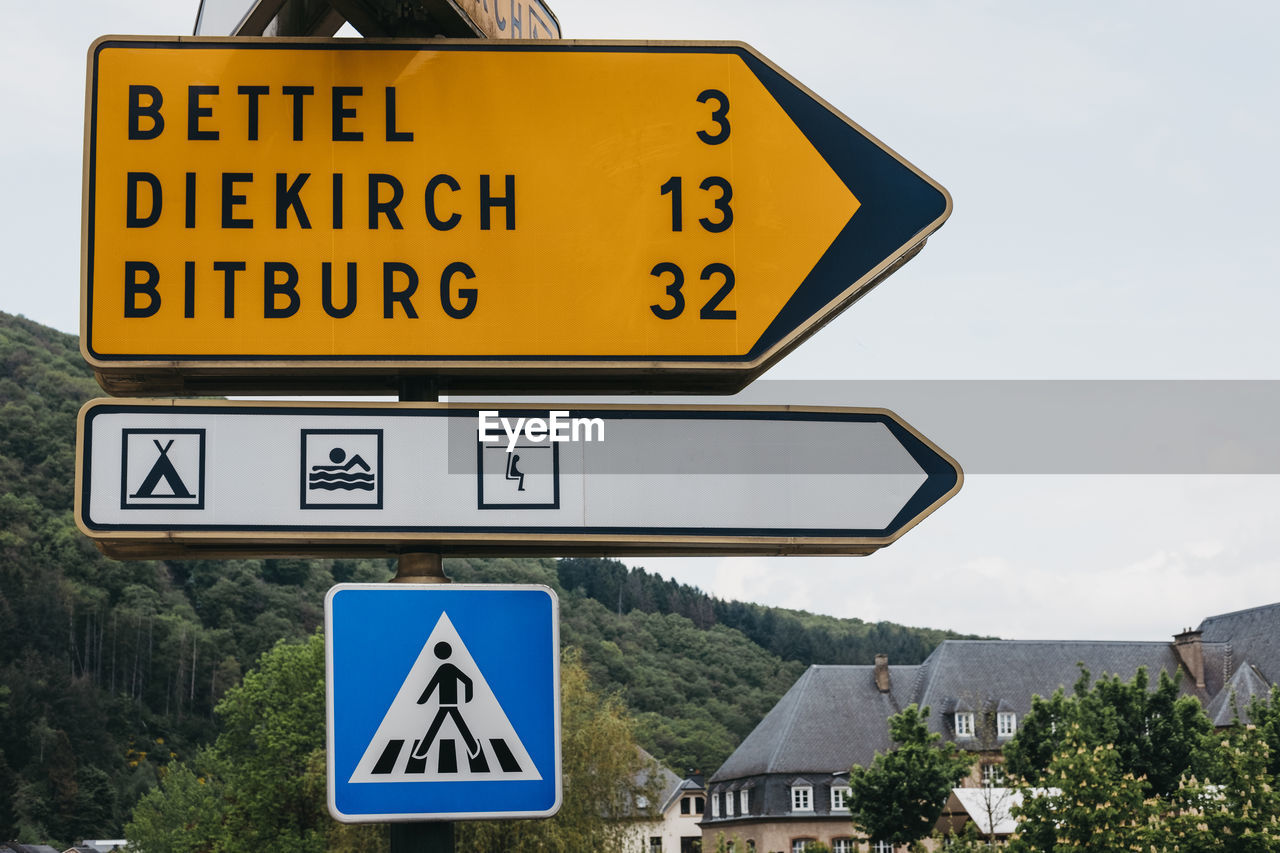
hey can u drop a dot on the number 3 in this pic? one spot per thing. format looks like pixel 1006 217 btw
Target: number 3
pixel 720 116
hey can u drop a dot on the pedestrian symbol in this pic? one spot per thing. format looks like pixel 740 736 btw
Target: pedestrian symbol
pixel 444 704
pixel 162 469
pixel 447 680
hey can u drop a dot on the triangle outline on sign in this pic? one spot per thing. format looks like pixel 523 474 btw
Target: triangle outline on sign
pixel 389 755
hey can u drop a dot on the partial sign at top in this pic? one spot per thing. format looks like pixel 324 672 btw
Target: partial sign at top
pixel 515 19
pixel 303 215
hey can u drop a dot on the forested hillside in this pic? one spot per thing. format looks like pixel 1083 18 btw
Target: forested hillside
pixel 789 634
pixel 110 671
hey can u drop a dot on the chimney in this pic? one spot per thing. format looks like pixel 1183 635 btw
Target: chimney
pixel 1187 645
pixel 882 673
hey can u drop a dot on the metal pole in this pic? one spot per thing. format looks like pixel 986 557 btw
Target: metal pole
pixel 436 837
pixel 319 17
pixel 420 567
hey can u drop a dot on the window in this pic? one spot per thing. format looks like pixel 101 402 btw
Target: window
pixel 802 798
pixel 842 845
pixel 715 805
pixel 1006 723
pixel 885 846
pixel 744 801
pixel 729 797
pixel 751 845
pixel 798 844
pixel 964 724
pixel 699 805
pixel 686 805
pixel 655 844
pixel 992 775
pixel 839 798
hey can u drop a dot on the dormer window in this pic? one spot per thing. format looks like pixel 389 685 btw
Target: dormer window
pixel 729 797
pixel 802 797
pixel 744 801
pixel 964 724
pixel 839 798
pixel 1006 724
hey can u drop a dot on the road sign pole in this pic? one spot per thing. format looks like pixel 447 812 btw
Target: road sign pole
pixel 421 567
pixel 434 837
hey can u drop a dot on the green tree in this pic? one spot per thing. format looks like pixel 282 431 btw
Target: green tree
pixel 261 785
pixel 1235 809
pixel 605 779
pixel 1087 803
pixel 9 782
pixel 967 840
pixel 901 795
pixel 184 814
pixel 1156 733
pixel 1264 712
pixel 271 751
pixel 95 809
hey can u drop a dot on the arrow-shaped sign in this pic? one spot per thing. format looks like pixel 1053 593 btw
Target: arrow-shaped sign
pixel 178 477
pixel 493 215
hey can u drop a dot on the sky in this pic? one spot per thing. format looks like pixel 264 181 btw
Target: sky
pixel 1113 172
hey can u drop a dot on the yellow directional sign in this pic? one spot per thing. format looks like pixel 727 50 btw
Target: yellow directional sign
pixel 554 214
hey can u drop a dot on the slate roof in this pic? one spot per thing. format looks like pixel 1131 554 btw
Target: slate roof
pixel 1233 701
pixel 669 784
pixel 984 674
pixel 1252 635
pixel 834 717
pixel 684 786
pixel 812 729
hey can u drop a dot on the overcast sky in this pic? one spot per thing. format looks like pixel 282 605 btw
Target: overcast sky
pixel 1114 175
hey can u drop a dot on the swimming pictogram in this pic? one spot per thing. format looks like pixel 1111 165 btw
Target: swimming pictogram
pixel 349 474
pixel 342 469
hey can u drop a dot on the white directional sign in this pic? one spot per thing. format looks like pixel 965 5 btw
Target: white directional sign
pixel 443 701
pixel 174 477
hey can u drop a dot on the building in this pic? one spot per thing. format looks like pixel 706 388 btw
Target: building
pixel 787 782
pixel 678 809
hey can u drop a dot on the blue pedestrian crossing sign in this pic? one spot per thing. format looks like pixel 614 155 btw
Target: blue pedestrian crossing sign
pixel 443 701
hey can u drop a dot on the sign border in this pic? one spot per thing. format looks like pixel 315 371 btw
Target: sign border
pixel 176 541
pixel 161 375
pixel 330 752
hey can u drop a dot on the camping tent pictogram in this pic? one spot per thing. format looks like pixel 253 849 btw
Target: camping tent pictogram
pixel 163 470
pixel 445 724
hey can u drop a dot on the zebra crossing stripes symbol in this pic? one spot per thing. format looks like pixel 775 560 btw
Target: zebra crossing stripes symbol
pixel 445 724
